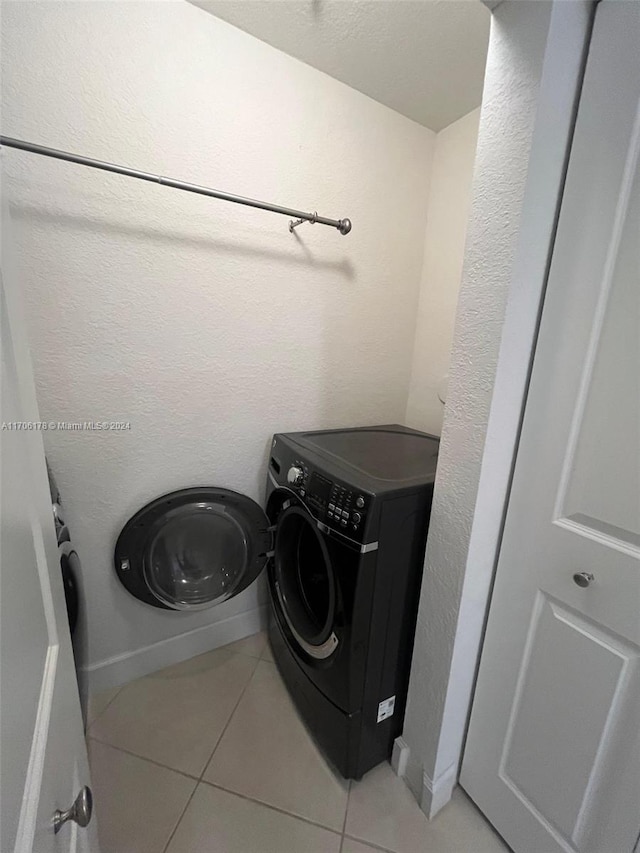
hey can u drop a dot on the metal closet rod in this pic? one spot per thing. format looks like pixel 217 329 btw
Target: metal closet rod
pixel 343 225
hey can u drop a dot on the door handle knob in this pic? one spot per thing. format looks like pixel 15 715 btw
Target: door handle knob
pixel 583 579
pixel 80 811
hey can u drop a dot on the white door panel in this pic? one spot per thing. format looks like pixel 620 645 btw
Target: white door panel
pixel 43 760
pixel 23 622
pixel 553 752
pixel 575 692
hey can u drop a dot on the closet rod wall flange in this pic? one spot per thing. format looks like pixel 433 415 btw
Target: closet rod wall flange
pixel 343 225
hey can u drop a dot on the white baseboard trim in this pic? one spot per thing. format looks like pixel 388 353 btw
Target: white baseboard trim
pixel 432 795
pixel 118 670
pixel 400 757
pixel 436 793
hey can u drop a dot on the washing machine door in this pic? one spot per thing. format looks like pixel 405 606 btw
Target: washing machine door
pixel 304 583
pixel 192 549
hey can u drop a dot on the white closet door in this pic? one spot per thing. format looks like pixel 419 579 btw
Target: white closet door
pixel 553 751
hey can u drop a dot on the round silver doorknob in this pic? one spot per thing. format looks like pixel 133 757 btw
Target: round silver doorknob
pixel 80 811
pixel 583 579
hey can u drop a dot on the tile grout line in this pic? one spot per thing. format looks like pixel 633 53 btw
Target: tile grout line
pixel 371 844
pixel 204 770
pixel 143 758
pixel 122 686
pixel 272 808
pixel 182 814
pixel 231 716
pixel 89 736
pixel 202 780
pixel 164 767
pixel 108 705
pixel 346 814
pixel 199 779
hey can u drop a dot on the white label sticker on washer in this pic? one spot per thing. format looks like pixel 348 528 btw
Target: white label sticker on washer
pixel 385 709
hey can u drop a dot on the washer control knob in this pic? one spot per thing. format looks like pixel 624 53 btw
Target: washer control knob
pixel 295 475
pixel 359 501
pixel 356 517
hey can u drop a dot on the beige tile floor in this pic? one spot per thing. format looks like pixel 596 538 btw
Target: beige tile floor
pixel 210 756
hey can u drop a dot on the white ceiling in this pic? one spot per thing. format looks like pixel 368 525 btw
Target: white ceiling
pixel 423 58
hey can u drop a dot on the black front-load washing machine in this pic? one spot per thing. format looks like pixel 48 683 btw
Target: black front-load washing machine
pixel 351 512
pixel 343 539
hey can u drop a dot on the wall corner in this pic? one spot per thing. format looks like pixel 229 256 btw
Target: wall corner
pixel 534 73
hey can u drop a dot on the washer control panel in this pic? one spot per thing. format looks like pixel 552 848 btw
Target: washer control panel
pixel 342 508
pixel 332 502
pixel 339 506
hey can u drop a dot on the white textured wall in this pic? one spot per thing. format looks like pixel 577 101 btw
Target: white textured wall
pixel 531 85
pixel 205 324
pixel 449 200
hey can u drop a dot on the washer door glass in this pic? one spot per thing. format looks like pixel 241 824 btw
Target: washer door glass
pixel 196 557
pixel 305 579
